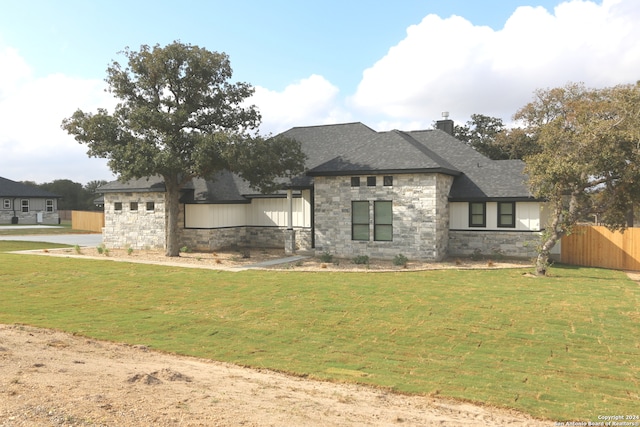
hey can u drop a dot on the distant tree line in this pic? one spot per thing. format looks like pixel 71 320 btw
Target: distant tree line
pixel 74 195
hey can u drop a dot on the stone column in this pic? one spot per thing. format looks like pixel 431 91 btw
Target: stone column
pixel 290 234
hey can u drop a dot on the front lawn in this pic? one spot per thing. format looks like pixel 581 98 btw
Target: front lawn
pixel 564 347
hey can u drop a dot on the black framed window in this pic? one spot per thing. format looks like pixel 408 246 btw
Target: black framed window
pixel 387 181
pixel 477 214
pixel 133 206
pixel 507 214
pixel 382 221
pixel 360 220
pixel 371 181
pixel 151 206
pixel 117 206
pixel 355 181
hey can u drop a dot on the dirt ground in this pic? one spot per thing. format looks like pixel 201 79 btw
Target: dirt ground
pixel 50 378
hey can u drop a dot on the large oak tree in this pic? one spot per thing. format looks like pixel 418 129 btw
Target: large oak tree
pixel 587 156
pixel 179 116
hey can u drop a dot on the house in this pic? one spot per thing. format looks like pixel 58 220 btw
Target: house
pixel 423 194
pixel 25 204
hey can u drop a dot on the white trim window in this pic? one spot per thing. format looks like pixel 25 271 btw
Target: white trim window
pixel 24 205
pixel 49 205
pixel 6 204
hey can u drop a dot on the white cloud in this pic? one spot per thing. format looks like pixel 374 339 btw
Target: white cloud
pixel 311 101
pixel 33 145
pixel 451 65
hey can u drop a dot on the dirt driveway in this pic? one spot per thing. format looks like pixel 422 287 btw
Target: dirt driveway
pixel 49 378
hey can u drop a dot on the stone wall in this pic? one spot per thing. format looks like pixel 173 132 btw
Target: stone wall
pixel 420 216
pixel 137 229
pixel 206 239
pixel 517 244
pixel 31 217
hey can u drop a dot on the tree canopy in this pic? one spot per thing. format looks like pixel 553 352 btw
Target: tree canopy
pixel 587 156
pixel 179 116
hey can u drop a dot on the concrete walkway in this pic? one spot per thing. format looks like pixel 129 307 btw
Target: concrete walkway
pixel 270 263
pixel 63 239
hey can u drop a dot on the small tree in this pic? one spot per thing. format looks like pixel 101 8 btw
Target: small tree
pixel 587 156
pixel 180 117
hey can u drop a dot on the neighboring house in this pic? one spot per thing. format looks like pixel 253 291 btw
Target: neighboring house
pixel 25 204
pixel 423 194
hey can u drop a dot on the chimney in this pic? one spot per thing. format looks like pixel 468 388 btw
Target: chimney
pixel 445 124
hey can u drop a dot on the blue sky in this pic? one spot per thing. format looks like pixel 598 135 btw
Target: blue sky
pixel 386 64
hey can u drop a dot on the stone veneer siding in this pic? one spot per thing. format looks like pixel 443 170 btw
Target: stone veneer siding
pixel 420 216
pixel 205 239
pixel 138 229
pixel 516 244
pixel 30 217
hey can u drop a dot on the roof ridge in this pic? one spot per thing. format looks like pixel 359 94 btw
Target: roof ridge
pixel 425 150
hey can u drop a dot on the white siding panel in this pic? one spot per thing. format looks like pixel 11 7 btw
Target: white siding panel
pixel 212 216
pixel 527 216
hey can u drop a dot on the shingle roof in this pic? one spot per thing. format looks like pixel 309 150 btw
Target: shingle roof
pixel 353 148
pixel 481 178
pixel 10 188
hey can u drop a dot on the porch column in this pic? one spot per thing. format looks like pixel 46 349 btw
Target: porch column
pixel 289 234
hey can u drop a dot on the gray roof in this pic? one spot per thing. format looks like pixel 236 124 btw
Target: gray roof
pixel 356 149
pixel 10 188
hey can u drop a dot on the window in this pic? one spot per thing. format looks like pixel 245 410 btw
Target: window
pixel 151 206
pixel 359 220
pixel 506 214
pixel 477 214
pixel 355 181
pixel 117 206
pixel 6 204
pixel 25 205
pixel 133 206
pixel 382 221
pixel 49 206
pixel 387 181
pixel 371 181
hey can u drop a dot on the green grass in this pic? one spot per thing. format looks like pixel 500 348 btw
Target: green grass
pixel 564 347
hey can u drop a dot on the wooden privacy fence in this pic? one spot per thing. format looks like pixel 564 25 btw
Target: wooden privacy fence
pixel 90 221
pixel 596 246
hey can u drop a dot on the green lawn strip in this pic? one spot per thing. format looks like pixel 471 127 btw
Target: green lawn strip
pixel 15 245
pixel 563 347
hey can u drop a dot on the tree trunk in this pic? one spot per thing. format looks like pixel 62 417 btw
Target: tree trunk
pixel 173 211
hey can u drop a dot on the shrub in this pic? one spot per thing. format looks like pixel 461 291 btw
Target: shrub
pixel 129 250
pixel 100 249
pixel 361 259
pixel 77 249
pixel 185 249
pixel 400 260
pixel 326 257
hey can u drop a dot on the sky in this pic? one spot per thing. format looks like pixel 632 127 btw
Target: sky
pixel 389 65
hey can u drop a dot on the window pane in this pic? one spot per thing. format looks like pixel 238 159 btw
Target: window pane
pixel 383 232
pixel 360 220
pixel 360 212
pixel 506 214
pixel 150 206
pixel 133 206
pixel 371 181
pixel 383 213
pixel 355 181
pixel 477 214
pixel 387 181
pixel 383 217
pixel 360 232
